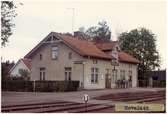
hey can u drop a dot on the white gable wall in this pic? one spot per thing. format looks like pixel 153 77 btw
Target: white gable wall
pixel 15 70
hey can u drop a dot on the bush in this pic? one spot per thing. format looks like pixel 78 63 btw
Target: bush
pixel 40 86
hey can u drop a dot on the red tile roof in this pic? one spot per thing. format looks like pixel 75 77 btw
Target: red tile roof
pixel 85 48
pixel 124 57
pixel 27 62
pixel 107 45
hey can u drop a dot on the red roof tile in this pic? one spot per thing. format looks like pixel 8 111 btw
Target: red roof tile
pixel 85 48
pixel 107 45
pixel 27 62
pixel 124 57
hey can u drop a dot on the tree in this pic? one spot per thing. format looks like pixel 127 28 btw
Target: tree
pixel 101 31
pixel 141 43
pixel 7 15
pixel 24 73
pixel 5 68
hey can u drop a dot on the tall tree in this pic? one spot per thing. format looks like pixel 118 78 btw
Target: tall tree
pixel 7 15
pixel 101 31
pixel 141 43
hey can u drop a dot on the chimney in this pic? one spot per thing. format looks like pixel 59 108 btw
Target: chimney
pixel 78 34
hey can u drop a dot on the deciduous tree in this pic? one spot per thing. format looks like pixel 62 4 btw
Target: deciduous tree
pixel 141 43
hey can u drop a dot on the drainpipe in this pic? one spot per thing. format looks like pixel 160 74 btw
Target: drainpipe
pixel 83 73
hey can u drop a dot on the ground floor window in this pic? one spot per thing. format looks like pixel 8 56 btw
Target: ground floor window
pixel 114 75
pixel 68 72
pixel 42 73
pixel 94 75
pixel 122 74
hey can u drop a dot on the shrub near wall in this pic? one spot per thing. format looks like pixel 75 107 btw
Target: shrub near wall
pixel 17 85
pixel 50 86
pixel 40 86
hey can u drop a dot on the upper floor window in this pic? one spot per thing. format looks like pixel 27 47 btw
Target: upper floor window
pixel 40 56
pixel 94 61
pixel 70 55
pixel 130 66
pixel 55 52
pixel 94 75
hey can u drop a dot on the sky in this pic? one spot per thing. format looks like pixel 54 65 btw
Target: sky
pixel 36 19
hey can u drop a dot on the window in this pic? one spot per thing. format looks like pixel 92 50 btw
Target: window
pixel 94 75
pixel 55 52
pixel 42 73
pixel 130 75
pixel 130 66
pixel 68 73
pixel 114 75
pixel 122 74
pixel 40 56
pixel 70 55
pixel 94 61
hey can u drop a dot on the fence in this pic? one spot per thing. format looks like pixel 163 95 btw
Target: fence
pixel 156 83
pixel 40 86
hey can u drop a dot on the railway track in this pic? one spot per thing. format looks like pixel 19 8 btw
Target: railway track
pixel 73 107
pixel 126 97
pixel 59 106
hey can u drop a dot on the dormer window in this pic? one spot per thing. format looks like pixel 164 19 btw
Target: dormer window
pixel 55 52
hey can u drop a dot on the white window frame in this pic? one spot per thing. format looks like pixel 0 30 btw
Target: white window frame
pixel 54 52
pixel 42 74
pixel 68 73
pixel 94 75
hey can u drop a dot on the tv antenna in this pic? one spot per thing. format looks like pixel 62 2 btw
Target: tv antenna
pixel 73 12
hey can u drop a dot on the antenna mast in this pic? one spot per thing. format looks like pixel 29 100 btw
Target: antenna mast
pixel 73 12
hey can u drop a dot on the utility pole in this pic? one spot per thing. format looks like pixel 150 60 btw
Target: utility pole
pixel 73 12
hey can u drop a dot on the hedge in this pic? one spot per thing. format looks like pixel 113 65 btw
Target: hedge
pixel 40 86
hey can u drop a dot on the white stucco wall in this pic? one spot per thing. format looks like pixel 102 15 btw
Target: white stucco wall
pixel 19 65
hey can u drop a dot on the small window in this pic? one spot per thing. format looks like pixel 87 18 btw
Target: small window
pixel 40 56
pixel 94 61
pixel 55 52
pixel 70 55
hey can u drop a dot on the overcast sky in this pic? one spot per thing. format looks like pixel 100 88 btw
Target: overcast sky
pixel 36 20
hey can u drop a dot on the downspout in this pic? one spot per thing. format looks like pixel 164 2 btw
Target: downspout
pixel 83 74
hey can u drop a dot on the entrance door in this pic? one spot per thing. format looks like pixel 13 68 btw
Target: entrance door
pixel 107 81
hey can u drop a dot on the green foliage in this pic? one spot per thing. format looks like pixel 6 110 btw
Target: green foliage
pixel 5 68
pixel 141 43
pixel 7 15
pixel 24 73
pixel 101 31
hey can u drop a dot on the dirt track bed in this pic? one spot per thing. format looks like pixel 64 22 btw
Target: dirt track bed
pixel 136 96
pixel 59 106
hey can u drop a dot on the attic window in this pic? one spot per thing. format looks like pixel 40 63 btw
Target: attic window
pixel 55 52
pixel 40 56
